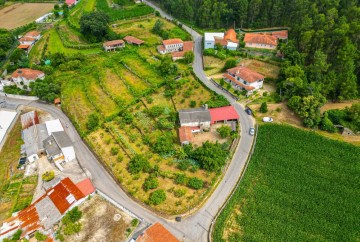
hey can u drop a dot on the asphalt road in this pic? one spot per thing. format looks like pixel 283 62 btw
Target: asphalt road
pixel 195 227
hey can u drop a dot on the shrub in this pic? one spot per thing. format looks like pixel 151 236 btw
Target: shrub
pixel 192 103
pixel 164 145
pixel 150 183
pixel 93 122
pixel 195 183
pixel 210 156
pixel 179 193
pixel 137 164
pixel 157 197
pixel 134 222
pixel 48 176
pixel 180 179
pixel 72 228
pixel 327 125
pixel 183 165
pixel 229 64
pixel 263 107
pixel 224 131
pixel 114 150
pixel 40 237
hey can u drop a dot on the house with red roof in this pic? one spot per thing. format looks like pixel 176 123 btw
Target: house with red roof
pixel 113 45
pixel 48 209
pixel 176 47
pixel 261 40
pixel 227 40
pixel 132 40
pixel 24 76
pixel 157 233
pixel 243 78
pixel 28 40
pixel 71 3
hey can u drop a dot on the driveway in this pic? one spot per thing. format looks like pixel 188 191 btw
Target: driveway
pixel 196 226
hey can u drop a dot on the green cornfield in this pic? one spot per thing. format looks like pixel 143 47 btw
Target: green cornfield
pixel 299 186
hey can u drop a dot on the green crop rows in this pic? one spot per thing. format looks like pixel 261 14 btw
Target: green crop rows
pixel 298 187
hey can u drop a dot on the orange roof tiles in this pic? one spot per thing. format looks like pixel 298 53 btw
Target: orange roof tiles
pixel 133 40
pixel 27 39
pixel 260 39
pixel 113 42
pixel 23 47
pixel 283 34
pixel 188 46
pixel 57 100
pixel 86 187
pixel 157 233
pixel 32 33
pixel 185 134
pixel 245 74
pixel 231 35
pixel 27 73
pixel 247 88
pixel 172 41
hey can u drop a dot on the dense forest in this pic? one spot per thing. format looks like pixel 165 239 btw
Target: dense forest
pixel 322 59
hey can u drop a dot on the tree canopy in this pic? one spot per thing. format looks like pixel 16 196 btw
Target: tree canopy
pixel 94 25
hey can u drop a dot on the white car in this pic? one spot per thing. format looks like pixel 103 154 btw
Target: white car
pixel 267 119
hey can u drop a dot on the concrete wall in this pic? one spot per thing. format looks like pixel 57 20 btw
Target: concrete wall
pixel 209 44
pixel 260 46
pixel 19 96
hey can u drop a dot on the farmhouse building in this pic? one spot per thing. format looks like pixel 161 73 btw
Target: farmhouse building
pixel 33 34
pixel 196 120
pixel 176 47
pixel 25 76
pixel 157 232
pixel 113 45
pixel 29 119
pixel 227 40
pixel 132 40
pixel 242 78
pixel 71 3
pixel 48 209
pixel 33 137
pixel 261 41
pixel 59 148
pixel 28 40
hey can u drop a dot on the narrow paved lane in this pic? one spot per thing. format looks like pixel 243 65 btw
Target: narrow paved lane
pixel 195 227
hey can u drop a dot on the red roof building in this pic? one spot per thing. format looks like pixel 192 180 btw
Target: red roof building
pixel 113 44
pixel 264 41
pixel 172 42
pixel 48 209
pixel 185 135
pixel 243 78
pixel 133 40
pixel 28 74
pixel 29 119
pixel 157 233
pixel 223 114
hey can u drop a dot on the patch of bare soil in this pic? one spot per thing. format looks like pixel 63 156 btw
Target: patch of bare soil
pixel 98 223
pixel 342 105
pixel 211 136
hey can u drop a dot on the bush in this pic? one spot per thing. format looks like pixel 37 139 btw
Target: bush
pixel 150 183
pixel 180 179
pixel 157 197
pixel 183 165
pixel 210 156
pixel 134 222
pixel 137 164
pixel 72 216
pixel 195 183
pixel 224 131
pixel 93 122
pixel 48 176
pixel 114 150
pixel 229 64
pixel 164 144
pixel 263 107
pixel 327 125
pixel 179 193
pixel 40 237
pixel 192 103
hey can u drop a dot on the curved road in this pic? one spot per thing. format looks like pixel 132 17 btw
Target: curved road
pixel 196 226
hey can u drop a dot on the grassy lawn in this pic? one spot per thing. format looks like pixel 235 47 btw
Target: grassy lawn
pixel 305 191
pixel 16 192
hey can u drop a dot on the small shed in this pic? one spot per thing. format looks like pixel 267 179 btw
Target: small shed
pixel 132 40
pixel 113 45
pixel 185 135
pixel 57 101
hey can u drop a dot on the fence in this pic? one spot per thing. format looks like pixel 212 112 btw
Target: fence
pixel 235 188
pixel 222 88
pixel 19 96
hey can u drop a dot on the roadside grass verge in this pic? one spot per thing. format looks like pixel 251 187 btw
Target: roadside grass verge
pixel 299 186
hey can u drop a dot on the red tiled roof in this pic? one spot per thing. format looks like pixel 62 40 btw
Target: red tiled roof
pixel 223 113
pixel 188 46
pixel 57 100
pixel 248 88
pixel 221 41
pixel 231 35
pixel 33 33
pixel 157 233
pixel 131 39
pixel 70 2
pixel 113 42
pixel 27 73
pixel 161 48
pixel 23 46
pixel 86 187
pixel 260 39
pixel 185 134
pixel 245 74
pixel 172 41
pixel 283 34
pixel 26 38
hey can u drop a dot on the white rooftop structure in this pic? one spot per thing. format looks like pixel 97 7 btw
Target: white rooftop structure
pixel 54 126
pixel 211 36
pixel 6 118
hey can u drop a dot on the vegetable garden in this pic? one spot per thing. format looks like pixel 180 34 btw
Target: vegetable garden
pixel 298 186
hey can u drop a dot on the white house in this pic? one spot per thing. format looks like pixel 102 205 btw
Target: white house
pixel 25 76
pixel 227 40
pixel 113 45
pixel 242 78
pixel 171 45
pixel 54 126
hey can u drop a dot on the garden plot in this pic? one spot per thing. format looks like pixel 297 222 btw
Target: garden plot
pixel 19 14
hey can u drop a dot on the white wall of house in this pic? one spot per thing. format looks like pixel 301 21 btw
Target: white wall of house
pixel 257 84
pixel 231 46
pixel 195 124
pixel 69 153
pixel 32 158
pixel 27 42
pixel 210 44
pixel 260 46
pixel 209 39
pixel 174 47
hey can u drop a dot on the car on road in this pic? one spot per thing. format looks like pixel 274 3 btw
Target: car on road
pixel 252 131
pixel 248 111
pixel 178 219
pixel 267 119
